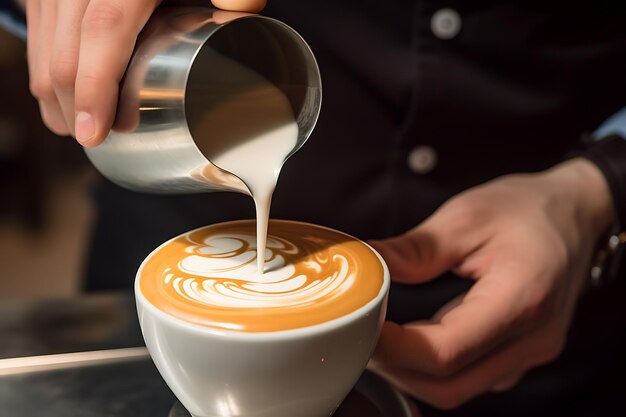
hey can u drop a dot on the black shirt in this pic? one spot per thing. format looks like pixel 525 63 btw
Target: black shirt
pixel 411 118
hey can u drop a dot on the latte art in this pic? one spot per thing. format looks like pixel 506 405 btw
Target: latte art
pixel 209 276
pixel 229 277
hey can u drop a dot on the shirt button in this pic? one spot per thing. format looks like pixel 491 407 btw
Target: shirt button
pixel 445 23
pixel 422 159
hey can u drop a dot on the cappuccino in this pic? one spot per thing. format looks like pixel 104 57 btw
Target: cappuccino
pixel 209 276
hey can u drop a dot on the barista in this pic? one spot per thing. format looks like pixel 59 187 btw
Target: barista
pixel 450 133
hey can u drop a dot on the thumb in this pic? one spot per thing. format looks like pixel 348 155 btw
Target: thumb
pixel 424 252
pixel 252 6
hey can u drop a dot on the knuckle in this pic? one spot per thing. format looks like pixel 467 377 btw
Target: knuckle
pixel 447 362
pixel 467 213
pixel 41 87
pixel 102 16
pixel 55 125
pixel 88 84
pixel 63 70
pixel 34 88
pixel 89 79
pixel 94 84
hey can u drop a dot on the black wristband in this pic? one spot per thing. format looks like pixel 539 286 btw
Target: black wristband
pixel 609 155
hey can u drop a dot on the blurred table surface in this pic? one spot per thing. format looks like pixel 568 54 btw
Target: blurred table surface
pixel 85 356
pixel 84 323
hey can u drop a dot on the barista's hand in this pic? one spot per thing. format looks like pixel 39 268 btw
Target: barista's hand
pixel 527 241
pixel 78 51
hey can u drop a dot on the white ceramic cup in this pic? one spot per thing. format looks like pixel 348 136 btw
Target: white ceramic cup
pixel 305 372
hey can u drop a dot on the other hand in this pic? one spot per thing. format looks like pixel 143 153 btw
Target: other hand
pixel 78 51
pixel 527 241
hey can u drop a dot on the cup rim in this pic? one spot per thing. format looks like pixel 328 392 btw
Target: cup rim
pixel 298 332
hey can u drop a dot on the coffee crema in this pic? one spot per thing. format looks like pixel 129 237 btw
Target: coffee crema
pixel 209 276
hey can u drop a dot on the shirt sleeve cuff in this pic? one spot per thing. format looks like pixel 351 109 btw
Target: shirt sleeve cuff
pixel 12 18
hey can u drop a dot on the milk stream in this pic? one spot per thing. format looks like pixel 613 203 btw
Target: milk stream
pixel 258 162
pixel 250 130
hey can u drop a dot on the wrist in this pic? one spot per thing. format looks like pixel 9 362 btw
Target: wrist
pixel 587 188
pixel 608 154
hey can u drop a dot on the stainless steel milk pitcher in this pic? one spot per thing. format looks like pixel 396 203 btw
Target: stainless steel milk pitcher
pixel 185 65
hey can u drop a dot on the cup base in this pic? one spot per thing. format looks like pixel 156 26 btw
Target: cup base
pixel 371 397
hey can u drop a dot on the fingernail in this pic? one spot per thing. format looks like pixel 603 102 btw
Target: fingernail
pixel 85 127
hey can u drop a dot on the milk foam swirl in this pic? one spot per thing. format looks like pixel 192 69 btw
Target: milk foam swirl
pixel 221 271
pixel 209 276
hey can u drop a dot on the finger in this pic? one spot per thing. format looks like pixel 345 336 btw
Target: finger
pixel 223 16
pixel 419 255
pixel 430 249
pixel 500 371
pixel 41 83
pixel 253 6
pixel 64 61
pixel 495 309
pixel 109 31
pixel 33 9
pixel 52 117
